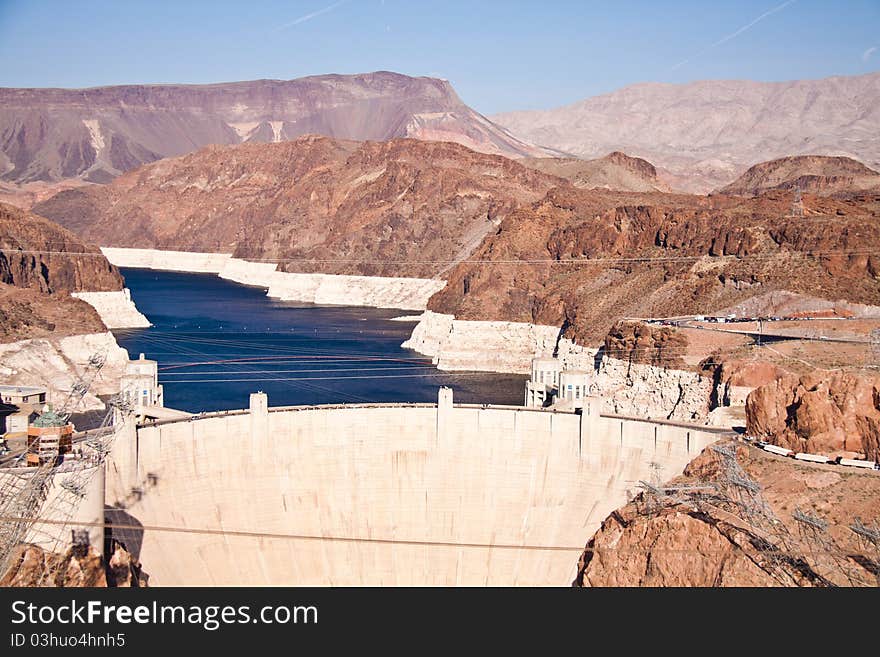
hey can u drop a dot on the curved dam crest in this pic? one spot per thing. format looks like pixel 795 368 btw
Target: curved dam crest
pixel 492 495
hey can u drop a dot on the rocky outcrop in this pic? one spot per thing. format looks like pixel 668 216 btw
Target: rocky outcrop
pixel 47 336
pixel 676 547
pixel 695 534
pixel 706 133
pixel 57 362
pixel 629 388
pixel 639 342
pixel 836 414
pixel 96 134
pixel 39 254
pixel 817 174
pixel 314 205
pixel 27 313
pixel 587 259
pixel 33 566
pixel 49 279
pixel 734 378
pixel 615 171
pixel 115 308
pixel 641 372
pixel 484 346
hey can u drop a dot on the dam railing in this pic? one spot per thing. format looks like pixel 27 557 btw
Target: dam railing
pixel 503 407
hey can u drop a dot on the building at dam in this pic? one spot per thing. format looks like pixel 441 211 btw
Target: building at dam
pixel 52 490
pixel 552 384
pixel 49 438
pixel 19 406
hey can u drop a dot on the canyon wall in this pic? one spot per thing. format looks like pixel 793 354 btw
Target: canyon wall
pixel 485 346
pixel 835 413
pixel 116 308
pixel 644 390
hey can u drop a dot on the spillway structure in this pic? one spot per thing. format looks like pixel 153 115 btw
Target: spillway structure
pixel 380 494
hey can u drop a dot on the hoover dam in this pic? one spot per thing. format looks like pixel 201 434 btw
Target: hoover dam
pixel 380 494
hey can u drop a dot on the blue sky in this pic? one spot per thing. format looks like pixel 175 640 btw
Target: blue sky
pixel 499 55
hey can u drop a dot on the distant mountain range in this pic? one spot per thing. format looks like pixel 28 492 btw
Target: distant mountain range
pixel 96 134
pixel 702 135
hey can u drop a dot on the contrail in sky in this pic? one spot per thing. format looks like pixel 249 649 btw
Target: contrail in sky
pixel 867 54
pixel 735 34
pixel 308 17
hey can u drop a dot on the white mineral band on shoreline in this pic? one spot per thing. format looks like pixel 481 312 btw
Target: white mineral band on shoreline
pixel 326 289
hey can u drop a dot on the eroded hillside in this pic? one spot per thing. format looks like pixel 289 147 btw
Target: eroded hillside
pixel 741 517
pixel 41 263
pixel 403 207
pixel 584 259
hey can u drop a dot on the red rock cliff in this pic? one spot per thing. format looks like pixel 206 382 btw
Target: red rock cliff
pixel 836 414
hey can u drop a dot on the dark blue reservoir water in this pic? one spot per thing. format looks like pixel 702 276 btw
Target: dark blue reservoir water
pixel 218 341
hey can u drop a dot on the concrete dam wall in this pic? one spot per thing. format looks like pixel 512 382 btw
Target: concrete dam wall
pixel 382 494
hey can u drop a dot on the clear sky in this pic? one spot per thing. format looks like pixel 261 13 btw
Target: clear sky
pixel 499 55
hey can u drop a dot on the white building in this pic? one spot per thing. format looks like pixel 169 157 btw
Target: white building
pixel 19 406
pixel 141 390
pixel 553 385
pixel 140 384
pixel 573 387
pixel 545 379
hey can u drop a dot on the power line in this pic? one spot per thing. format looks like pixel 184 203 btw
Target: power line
pixel 517 261
pixel 308 386
pixel 360 539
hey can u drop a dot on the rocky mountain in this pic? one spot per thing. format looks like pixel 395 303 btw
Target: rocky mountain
pixel 706 133
pixel 96 134
pixel 638 342
pixel 615 171
pixel 400 207
pixel 37 253
pixel 588 258
pixel 836 414
pixel 696 534
pixel 809 173
pixel 37 274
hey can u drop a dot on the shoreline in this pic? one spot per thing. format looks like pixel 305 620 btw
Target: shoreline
pixel 116 309
pixel 321 289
